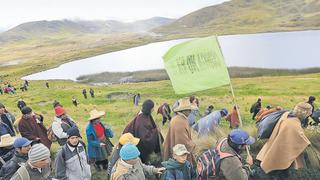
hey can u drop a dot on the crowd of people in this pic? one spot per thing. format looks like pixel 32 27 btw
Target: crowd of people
pixel 142 152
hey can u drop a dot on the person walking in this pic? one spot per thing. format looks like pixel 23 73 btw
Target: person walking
pixel 84 92
pixel 91 91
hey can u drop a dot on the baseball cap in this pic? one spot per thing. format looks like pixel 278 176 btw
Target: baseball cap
pixel 21 142
pixel 239 136
pixel 180 149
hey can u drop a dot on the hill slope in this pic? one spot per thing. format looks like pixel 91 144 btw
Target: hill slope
pixel 247 16
pixel 64 28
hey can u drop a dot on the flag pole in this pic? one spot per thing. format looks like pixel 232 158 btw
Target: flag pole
pixel 233 96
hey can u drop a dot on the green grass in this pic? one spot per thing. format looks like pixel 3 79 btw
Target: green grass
pixel 285 91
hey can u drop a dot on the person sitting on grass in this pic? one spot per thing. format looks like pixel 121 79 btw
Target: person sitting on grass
pixel 130 167
pixel 179 167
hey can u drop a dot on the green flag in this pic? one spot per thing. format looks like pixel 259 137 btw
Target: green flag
pixel 196 65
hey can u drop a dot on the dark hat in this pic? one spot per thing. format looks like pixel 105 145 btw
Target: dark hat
pixel 73 131
pixel 312 98
pixel 26 110
pixel 2 105
pixel 147 106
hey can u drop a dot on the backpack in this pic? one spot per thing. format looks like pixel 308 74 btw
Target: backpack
pixel 208 163
pixel 51 136
pixel 266 125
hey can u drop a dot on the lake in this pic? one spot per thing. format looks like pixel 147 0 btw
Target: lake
pixel 281 50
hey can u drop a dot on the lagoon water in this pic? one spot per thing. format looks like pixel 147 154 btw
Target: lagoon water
pixel 285 50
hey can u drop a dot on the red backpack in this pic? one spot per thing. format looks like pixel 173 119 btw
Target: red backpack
pixel 208 163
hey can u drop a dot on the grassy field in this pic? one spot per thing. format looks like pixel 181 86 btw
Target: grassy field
pixel 283 90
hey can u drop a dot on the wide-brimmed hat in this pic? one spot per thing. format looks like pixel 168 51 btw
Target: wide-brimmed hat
pixel 303 109
pixel 128 138
pixel 7 140
pixel 185 104
pixel 95 114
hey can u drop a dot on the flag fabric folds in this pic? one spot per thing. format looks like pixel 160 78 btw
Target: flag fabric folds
pixel 196 65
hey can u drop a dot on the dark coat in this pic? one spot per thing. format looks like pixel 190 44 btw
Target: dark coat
pixel 12 165
pixel 31 128
pixel 144 127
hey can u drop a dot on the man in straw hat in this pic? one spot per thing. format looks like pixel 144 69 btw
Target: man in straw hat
pixel 6 148
pixel 284 148
pixel 38 165
pixel 124 139
pixel 179 130
pixel 99 144
pixel 22 146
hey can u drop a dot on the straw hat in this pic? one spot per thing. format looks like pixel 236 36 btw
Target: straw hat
pixel 94 114
pixel 184 104
pixel 6 140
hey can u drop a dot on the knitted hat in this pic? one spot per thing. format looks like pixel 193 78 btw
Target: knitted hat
pixel 303 110
pixel 38 152
pixel 26 110
pixel 59 111
pixel 73 131
pixel 128 138
pixel 129 151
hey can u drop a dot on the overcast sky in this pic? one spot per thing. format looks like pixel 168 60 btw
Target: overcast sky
pixel 14 12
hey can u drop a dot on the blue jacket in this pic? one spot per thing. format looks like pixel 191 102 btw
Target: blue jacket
pixel 94 148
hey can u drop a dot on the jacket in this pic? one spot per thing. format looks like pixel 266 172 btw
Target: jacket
pixel 72 164
pixel 125 171
pixel 11 119
pixel 94 148
pixel 231 168
pixel 60 128
pixel 33 128
pixel 12 165
pixel 178 171
pixel 34 173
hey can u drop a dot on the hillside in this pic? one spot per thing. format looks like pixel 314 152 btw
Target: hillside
pixel 246 16
pixel 65 28
pixel 285 91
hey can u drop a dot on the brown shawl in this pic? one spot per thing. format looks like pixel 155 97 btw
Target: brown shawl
pixel 179 133
pixel 144 127
pixel 284 146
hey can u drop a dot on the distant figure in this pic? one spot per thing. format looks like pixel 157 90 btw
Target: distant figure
pixel 136 99
pixel 165 111
pixel 24 87
pixel 91 92
pixel 305 121
pixel 233 118
pixel 26 82
pixel 255 108
pixel 21 104
pixel 84 92
pixel 47 84
pixel 56 103
pixel 208 110
pixel 74 101
pixel 1 91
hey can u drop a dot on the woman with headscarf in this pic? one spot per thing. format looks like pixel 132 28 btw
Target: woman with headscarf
pixel 144 127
